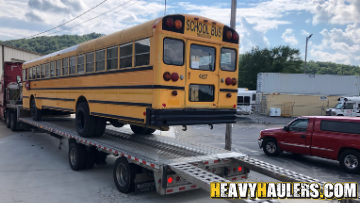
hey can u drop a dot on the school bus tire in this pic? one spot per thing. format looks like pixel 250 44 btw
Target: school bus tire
pixel 85 123
pixel 150 131
pixel 35 112
pixel 100 127
pixel 116 123
pixel 138 129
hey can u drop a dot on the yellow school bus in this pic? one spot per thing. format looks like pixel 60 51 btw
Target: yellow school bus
pixel 174 70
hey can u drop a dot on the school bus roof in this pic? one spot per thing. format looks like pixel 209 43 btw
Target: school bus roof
pixel 120 37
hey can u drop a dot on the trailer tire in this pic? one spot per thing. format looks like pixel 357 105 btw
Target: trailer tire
pixel 141 130
pixel 116 123
pixel 100 127
pixel 7 117
pixel 124 175
pixel 100 158
pixel 35 112
pixel 90 157
pixel 77 156
pixel 270 147
pixel 350 161
pixel 85 123
pixel 13 121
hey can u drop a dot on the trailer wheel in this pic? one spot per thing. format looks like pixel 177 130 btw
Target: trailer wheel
pixel 77 156
pixel 116 123
pixel 7 119
pixel 85 123
pixel 35 112
pixel 100 127
pixel 13 121
pixel 124 175
pixel 270 147
pixel 350 161
pixel 91 154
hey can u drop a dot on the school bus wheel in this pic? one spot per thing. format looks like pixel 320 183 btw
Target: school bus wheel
pixel 85 123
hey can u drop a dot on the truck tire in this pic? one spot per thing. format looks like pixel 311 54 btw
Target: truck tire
pixel 35 112
pixel 85 123
pixel 13 121
pixel 350 161
pixel 100 127
pixel 124 175
pixel 116 123
pixel 7 117
pixel 77 156
pixel 270 147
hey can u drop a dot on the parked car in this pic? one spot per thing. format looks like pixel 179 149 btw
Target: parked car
pixel 330 137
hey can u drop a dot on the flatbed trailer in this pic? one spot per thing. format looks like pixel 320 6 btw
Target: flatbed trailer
pixel 156 162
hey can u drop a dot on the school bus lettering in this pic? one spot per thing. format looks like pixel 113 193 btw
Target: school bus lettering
pixel 203 76
pixel 204 30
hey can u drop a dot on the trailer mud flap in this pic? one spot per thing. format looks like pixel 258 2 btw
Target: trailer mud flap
pixel 144 186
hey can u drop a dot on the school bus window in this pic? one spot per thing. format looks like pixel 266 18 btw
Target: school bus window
pixel 72 64
pixel 38 71
pixel 100 60
pixel 42 70
pixel 34 73
pixel 126 55
pixel 142 52
pixel 52 69
pixel 58 67
pixel 65 66
pixel 30 73
pixel 47 70
pixel 228 59
pixel 201 93
pixel 90 62
pixel 24 75
pixel 80 63
pixel 202 57
pixel 112 58
pixel 173 52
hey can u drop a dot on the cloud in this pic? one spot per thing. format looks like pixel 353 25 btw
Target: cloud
pixel 33 17
pixel 289 37
pixel 339 45
pixel 48 5
pixel 336 11
pixel 304 32
pixel 250 37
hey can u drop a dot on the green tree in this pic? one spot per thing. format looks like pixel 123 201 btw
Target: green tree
pixel 281 59
pixel 47 45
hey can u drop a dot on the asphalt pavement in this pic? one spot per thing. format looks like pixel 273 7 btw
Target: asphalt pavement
pixel 33 169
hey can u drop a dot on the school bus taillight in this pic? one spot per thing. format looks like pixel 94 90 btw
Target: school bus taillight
pixel 228 95
pixel 228 81
pixel 235 36
pixel 229 34
pixel 233 81
pixel 174 93
pixel 174 77
pixel 178 24
pixel 166 76
pixel 170 22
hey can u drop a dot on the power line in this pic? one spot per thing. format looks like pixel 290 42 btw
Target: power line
pixel 96 17
pixel 69 20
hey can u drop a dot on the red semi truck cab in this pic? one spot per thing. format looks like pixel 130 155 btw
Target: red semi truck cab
pixel 336 138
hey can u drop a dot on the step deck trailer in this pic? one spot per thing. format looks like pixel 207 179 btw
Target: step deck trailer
pixel 162 163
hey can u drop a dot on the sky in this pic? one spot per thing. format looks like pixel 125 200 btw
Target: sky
pixel 335 24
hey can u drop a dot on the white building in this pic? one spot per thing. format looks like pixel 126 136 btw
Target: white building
pixel 13 54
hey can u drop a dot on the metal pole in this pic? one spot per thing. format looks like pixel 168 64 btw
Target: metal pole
pixel 228 132
pixel 307 38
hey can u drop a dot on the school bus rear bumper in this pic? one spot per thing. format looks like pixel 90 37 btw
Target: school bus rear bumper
pixel 168 117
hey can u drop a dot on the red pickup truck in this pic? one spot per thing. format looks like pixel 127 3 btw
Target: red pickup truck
pixel 336 138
